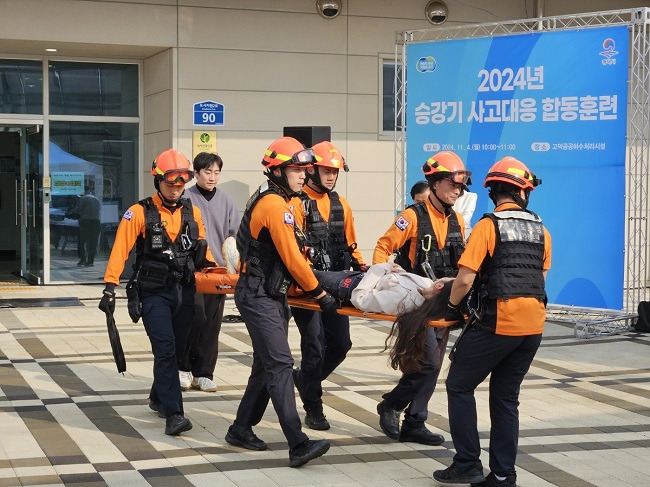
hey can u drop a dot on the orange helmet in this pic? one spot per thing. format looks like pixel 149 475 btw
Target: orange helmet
pixel 512 171
pixel 172 167
pixel 327 155
pixel 447 164
pixel 287 151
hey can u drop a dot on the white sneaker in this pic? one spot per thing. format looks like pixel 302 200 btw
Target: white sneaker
pixel 204 384
pixel 186 379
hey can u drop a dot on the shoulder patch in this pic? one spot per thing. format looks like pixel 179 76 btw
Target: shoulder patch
pixel 128 214
pixel 288 218
pixel 402 223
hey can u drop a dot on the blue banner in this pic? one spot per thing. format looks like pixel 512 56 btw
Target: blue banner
pixel 557 101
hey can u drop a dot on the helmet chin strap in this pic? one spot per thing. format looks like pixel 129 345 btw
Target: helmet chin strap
pixel 168 202
pixel 315 178
pixel 282 182
pixel 445 206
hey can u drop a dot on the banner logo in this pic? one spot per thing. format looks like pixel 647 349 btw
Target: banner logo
pixel 426 64
pixel 608 52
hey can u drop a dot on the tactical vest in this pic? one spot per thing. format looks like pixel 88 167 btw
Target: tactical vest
pixel 260 255
pixel 327 237
pixel 159 261
pixel 443 261
pixel 516 267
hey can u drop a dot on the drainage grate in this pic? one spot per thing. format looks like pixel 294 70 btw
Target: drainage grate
pixel 40 302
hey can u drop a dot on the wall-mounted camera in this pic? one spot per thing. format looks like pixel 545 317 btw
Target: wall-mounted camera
pixel 436 12
pixel 329 8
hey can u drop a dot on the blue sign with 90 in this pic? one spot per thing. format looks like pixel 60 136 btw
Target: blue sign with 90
pixel 208 113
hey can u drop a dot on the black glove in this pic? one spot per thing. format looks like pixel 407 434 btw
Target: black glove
pixel 328 304
pixel 107 303
pixel 134 305
pixel 454 315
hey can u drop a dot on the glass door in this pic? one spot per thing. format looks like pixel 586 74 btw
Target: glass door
pixel 31 194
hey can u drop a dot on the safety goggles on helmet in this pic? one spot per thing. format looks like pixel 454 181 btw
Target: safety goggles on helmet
pixel 459 177
pixel 305 157
pixel 176 177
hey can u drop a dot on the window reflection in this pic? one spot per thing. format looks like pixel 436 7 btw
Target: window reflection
pixel 93 169
pixel 93 89
pixel 21 86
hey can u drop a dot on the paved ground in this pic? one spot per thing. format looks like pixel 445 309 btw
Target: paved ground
pixel 68 418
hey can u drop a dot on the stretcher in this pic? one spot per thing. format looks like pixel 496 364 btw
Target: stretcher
pixel 215 280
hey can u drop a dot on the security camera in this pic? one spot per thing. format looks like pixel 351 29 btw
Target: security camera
pixel 329 8
pixel 436 12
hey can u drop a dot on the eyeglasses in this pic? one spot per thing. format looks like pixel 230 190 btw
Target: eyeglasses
pixel 175 177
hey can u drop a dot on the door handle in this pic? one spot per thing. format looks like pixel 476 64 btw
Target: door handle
pixel 19 203
pixel 34 203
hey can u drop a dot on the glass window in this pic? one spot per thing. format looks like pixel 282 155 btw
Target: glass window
pixel 93 89
pixel 94 174
pixel 388 94
pixel 21 86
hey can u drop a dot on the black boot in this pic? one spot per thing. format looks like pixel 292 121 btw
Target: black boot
pixel 306 451
pixel 418 433
pixel 315 419
pixel 388 420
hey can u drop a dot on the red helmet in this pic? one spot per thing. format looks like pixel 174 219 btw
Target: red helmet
pixel 287 151
pixel 447 164
pixel 172 167
pixel 512 171
pixel 327 155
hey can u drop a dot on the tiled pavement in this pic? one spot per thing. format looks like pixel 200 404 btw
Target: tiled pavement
pixel 68 418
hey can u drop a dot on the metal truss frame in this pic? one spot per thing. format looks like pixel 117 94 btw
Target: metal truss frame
pixel 587 322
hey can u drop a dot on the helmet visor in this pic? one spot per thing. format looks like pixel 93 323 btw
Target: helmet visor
pixel 304 157
pixel 460 177
pixel 176 176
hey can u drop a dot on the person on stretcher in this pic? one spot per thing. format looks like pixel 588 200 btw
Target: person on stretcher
pixel 384 288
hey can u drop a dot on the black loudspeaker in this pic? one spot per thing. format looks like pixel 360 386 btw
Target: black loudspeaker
pixel 309 135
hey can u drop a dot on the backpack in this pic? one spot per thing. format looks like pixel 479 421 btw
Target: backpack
pixel 643 321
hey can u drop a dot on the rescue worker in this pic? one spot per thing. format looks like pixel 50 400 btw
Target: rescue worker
pixel 429 238
pixel 326 219
pixel 506 260
pixel 168 233
pixel 271 259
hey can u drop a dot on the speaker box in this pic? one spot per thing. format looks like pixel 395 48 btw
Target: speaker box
pixel 309 135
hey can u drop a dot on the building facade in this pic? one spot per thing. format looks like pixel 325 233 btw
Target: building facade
pixel 125 75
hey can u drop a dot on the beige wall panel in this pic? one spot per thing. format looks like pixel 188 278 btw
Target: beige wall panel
pixel 157 73
pixel 261 31
pixel 157 112
pixel 371 225
pixel 261 71
pixel 377 192
pixel 96 22
pixel 370 155
pixel 256 111
pixel 363 113
pixel 363 74
pixel 369 36
pixel 558 7
pixel 152 2
pixel 459 10
pixel 275 5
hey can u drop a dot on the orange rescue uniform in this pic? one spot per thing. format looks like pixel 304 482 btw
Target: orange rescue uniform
pixel 515 316
pixel 133 224
pixel 405 228
pixel 275 215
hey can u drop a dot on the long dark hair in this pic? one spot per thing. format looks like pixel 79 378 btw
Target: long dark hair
pixel 407 336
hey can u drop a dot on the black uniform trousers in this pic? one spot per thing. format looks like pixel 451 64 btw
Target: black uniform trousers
pixel 267 321
pixel 508 359
pixel 324 344
pixel 167 317
pixel 415 389
pixel 89 230
pixel 202 347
